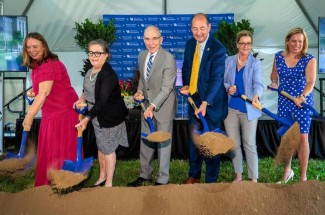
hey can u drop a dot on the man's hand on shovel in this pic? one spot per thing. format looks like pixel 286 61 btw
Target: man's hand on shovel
pixel 154 136
pixel 203 107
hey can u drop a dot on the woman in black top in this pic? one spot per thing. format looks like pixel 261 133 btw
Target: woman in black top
pixel 106 107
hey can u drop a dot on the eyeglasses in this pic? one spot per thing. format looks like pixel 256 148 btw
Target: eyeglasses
pixel 245 44
pixel 96 54
pixel 146 39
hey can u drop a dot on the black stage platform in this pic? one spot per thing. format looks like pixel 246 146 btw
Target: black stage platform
pixel 267 139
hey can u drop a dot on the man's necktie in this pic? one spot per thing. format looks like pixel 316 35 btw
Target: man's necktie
pixel 149 65
pixel 195 70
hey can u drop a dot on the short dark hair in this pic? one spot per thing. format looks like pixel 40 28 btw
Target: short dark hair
pixel 103 44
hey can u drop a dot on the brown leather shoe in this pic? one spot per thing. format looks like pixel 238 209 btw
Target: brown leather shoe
pixel 191 180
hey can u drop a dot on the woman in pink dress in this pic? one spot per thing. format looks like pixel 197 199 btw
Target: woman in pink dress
pixel 54 95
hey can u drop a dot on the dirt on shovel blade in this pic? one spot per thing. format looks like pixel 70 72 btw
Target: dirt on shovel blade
pixel 289 145
pixel 159 136
pixel 212 143
pixel 16 167
pixel 61 179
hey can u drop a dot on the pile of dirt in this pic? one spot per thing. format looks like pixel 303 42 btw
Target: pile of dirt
pixel 16 167
pixel 218 198
pixel 62 180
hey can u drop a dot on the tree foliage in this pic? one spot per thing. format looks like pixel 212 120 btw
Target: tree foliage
pixel 227 33
pixel 87 31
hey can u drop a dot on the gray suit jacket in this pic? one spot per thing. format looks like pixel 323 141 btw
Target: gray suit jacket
pixel 159 89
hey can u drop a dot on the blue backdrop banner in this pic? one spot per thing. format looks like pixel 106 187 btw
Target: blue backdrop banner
pixel 175 30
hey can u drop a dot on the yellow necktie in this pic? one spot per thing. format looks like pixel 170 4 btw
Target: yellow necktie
pixel 195 70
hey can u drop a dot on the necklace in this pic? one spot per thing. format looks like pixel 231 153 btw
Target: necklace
pixel 241 62
pixel 92 77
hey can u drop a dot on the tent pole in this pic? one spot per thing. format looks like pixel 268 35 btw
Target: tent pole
pixel 27 7
pixel 165 6
pixel 302 8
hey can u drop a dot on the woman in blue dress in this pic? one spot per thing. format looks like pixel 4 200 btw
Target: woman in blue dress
pixel 295 71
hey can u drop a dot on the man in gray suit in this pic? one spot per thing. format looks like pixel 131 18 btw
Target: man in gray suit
pixel 157 78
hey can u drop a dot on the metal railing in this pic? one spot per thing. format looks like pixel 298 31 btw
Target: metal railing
pixel 21 112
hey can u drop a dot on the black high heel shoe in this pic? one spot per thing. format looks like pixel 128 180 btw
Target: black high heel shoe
pixel 100 184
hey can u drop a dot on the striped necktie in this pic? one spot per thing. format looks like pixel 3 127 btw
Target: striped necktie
pixel 149 65
pixel 195 70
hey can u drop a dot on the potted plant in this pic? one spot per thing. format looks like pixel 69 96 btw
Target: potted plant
pixel 227 33
pixel 87 31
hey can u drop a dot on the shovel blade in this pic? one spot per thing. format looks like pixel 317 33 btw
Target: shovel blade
pixel 78 167
pixel 282 130
pixel 21 153
pixel 10 155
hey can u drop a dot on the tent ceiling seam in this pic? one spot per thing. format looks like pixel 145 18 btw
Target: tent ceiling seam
pixel 303 9
pixel 27 7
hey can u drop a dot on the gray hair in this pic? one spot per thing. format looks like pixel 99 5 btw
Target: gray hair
pixel 152 27
pixel 100 42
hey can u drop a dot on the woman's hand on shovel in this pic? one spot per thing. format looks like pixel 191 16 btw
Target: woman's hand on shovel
pixel 83 124
pixel 299 100
pixel 30 93
pixel 28 121
pixel 256 101
pixel 232 90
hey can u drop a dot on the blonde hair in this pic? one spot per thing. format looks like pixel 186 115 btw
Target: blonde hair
pixel 244 33
pixel 290 34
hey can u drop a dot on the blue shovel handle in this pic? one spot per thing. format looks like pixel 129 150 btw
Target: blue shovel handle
pixel 288 96
pixel 192 103
pixel 149 120
pixel 29 100
pixel 82 110
pixel 203 120
pixel 269 113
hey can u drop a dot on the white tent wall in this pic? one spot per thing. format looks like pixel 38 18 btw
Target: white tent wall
pixel 55 19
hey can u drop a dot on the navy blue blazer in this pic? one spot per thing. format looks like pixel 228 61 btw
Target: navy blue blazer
pixel 211 76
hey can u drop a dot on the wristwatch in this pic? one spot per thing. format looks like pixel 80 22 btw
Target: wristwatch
pixel 302 95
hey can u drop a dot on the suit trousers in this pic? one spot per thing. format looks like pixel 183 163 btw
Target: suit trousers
pixel 242 131
pixel 196 159
pixel 147 151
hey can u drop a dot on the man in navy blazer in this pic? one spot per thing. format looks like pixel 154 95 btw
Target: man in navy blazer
pixel 210 96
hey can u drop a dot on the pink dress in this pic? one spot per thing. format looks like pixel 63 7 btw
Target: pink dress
pixel 57 140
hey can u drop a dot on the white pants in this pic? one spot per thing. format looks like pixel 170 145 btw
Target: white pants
pixel 241 130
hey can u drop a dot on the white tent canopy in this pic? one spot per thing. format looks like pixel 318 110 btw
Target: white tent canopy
pixel 55 19
pixel 271 19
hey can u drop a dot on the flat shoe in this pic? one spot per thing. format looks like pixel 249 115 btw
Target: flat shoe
pixel 100 184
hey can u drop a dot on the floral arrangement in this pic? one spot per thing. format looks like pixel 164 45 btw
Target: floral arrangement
pixel 128 88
